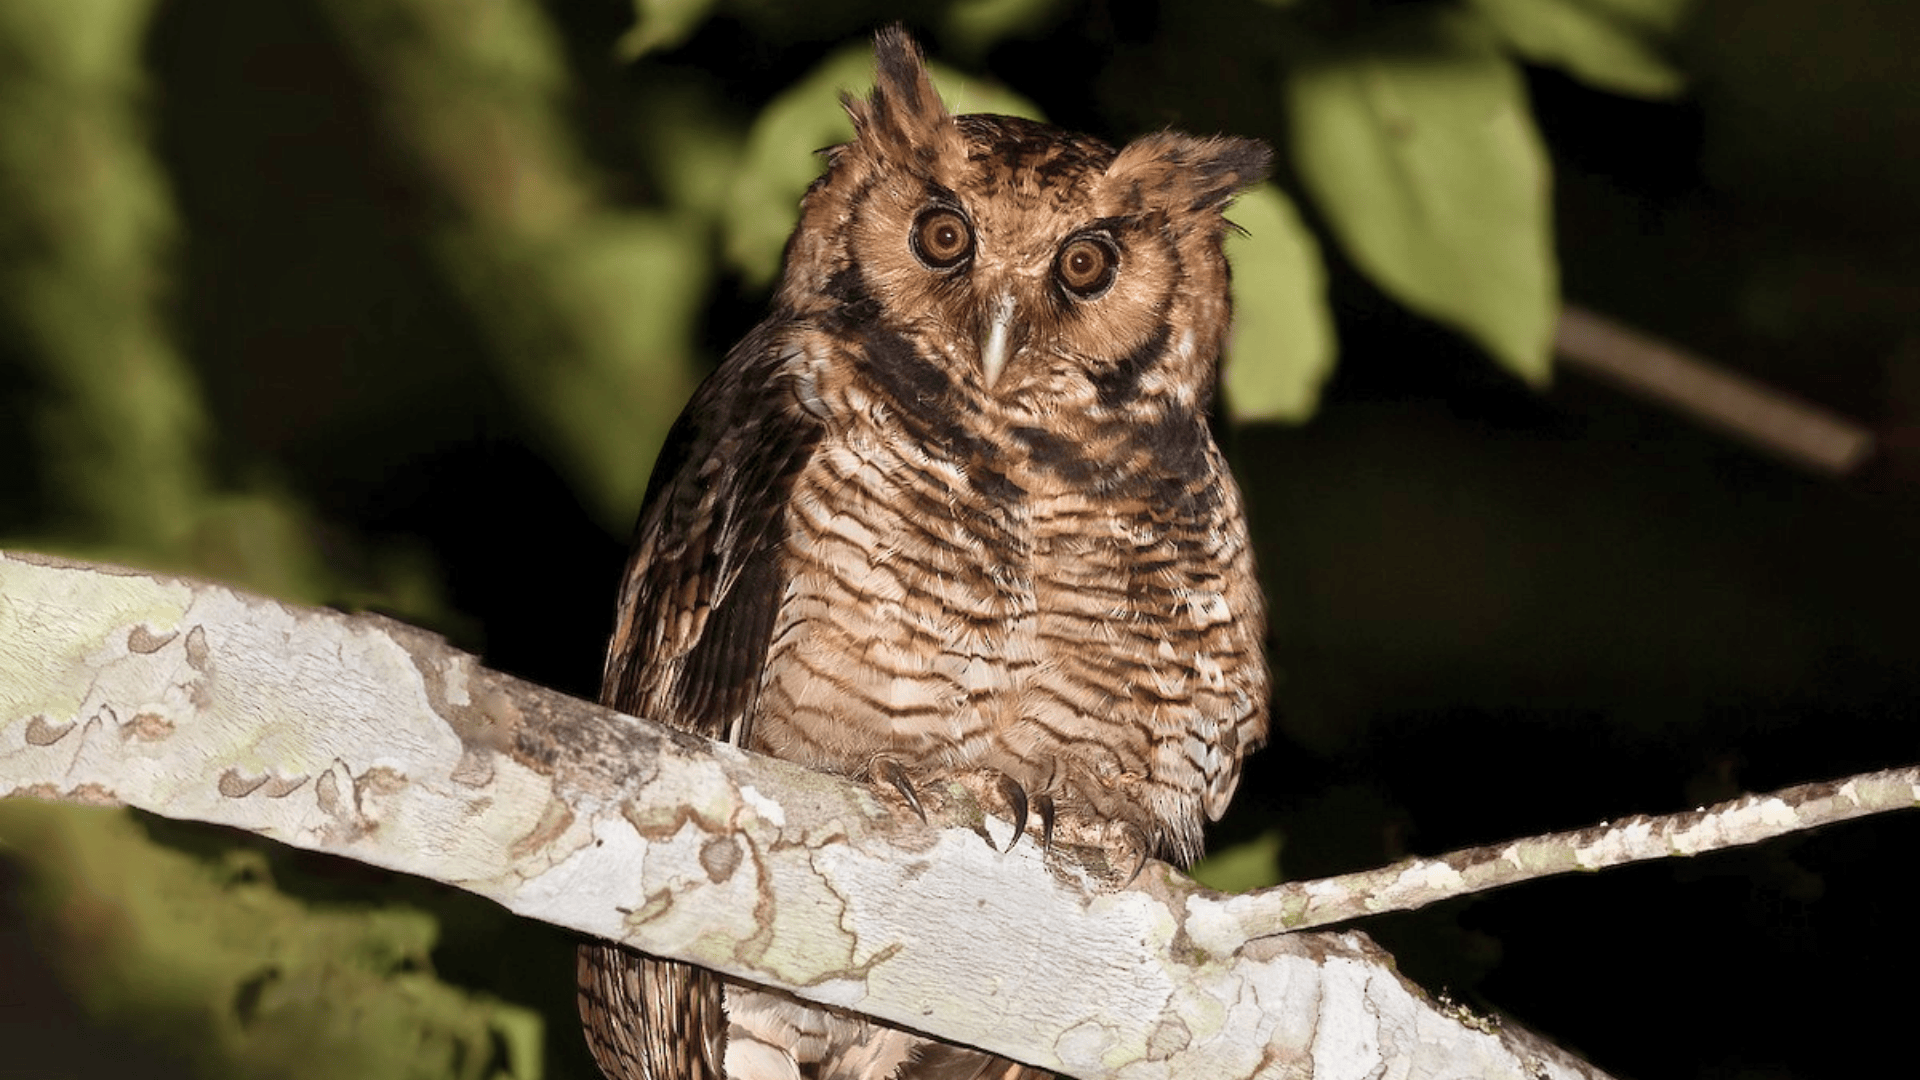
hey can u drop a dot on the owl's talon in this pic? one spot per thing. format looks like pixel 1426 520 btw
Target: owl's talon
pixel 1016 797
pixel 895 774
pixel 1043 805
pixel 1137 837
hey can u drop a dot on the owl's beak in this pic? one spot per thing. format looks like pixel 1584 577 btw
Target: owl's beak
pixel 993 351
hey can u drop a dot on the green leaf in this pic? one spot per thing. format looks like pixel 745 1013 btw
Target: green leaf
pixel 661 24
pixel 971 27
pixel 782 149
pixel 1417 143
pixel 1282 346
pixel 1251 864
pixel 1617 45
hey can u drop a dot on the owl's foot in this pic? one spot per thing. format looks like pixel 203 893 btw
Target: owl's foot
pixel 993 791
pixel 1126 844
pixel 1115 850
pixel 1000 795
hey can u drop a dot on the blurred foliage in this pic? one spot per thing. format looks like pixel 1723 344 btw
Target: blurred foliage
pixel 387 304
pixel 1620 45
pixel 1282 345
pixel 1416 141
pixel 588 307
pixel 199 951
pixel 87 227
pixel 1249 864
pixel 662 24
pixel 1408 127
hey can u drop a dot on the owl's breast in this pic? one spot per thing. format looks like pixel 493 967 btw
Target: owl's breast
pixel 1029 586
pixel 908 624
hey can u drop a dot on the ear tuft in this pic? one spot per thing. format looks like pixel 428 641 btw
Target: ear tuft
pixel 1193 174
pixel 1230 166
pixel 903 117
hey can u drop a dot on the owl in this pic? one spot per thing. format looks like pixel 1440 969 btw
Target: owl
pixel 954 507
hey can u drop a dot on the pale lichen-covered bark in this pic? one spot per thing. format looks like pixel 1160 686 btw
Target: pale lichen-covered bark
pixel 365 738
pixel 1417 882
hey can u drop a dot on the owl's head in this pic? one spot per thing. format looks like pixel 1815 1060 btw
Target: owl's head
pixel 1023 260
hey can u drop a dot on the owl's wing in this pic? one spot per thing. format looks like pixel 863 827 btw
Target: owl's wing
pixel 696 611
pixel 704 581
pixel 648 1019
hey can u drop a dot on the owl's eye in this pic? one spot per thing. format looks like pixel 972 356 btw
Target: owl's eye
pixel 1086 265
pixel 942 238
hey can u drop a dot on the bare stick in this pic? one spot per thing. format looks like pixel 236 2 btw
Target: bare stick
pixel 1803 433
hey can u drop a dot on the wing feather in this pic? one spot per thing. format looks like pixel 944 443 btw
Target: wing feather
pixel 702 587
pixel 705 578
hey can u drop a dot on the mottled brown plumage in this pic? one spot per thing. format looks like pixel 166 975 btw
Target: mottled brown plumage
pixel 954 507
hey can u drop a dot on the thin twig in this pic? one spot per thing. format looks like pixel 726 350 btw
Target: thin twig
pixel 1417 882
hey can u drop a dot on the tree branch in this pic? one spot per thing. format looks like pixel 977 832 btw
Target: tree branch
pixel 362 737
